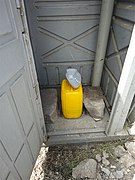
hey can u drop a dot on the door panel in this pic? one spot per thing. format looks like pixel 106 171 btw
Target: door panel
pixel 8 29
pixel 10 177
pixel 21 125
pixel 20 96
pixel 32 138
pixel 4 171
pixel 9 132
pixel 23 163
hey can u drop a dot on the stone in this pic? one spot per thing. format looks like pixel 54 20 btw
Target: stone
pixel 105 154
pixel 127 160
pixel 105 170
pixel 105 177
pixel 85 169
pixel 131 148
pixel 118 174
pixel 111 176
pixel 105 161
pixel 119 151
pixel 93 102
pixel 98 157
pixel 99 177
pixel 133 177
pixel 49 103
pixel 113 167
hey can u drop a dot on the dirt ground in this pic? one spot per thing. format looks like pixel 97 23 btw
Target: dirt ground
pixel 58 162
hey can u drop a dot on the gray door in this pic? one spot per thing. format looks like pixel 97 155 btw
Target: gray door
pixel 63 34
pixel 21 132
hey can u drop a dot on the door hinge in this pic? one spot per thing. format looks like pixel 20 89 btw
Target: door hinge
pixel 18 4
pixel 45 138
pixel 36 91
pixel 21 14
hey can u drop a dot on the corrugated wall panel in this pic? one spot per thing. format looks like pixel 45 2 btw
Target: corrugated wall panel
pixel 120 33
pixel 63 34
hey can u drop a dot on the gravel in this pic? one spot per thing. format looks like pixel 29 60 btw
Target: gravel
pixel 82 162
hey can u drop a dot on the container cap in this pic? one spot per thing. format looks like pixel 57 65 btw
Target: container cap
pixel 73 77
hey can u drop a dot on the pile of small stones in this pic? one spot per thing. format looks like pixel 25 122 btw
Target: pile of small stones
pixel 100 168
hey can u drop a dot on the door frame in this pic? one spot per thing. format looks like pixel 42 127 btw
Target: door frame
pixel 125 92
pixel 31 68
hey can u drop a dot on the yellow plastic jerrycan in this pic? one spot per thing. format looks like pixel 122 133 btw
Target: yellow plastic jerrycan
pixel 72 100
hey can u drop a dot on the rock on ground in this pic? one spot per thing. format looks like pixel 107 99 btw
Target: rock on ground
pixel 113 167
pixel 127 160
pixel 105 161
pixel 93 102
pixel 119 151
pixel 98 157
pixel 105 170
pixel 105 154
pixel 131 148
pixel 99 177
pixel 118 174
pixel 111 176
pixel 86 168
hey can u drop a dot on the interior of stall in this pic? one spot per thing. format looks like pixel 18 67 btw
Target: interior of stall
pixel 65 35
